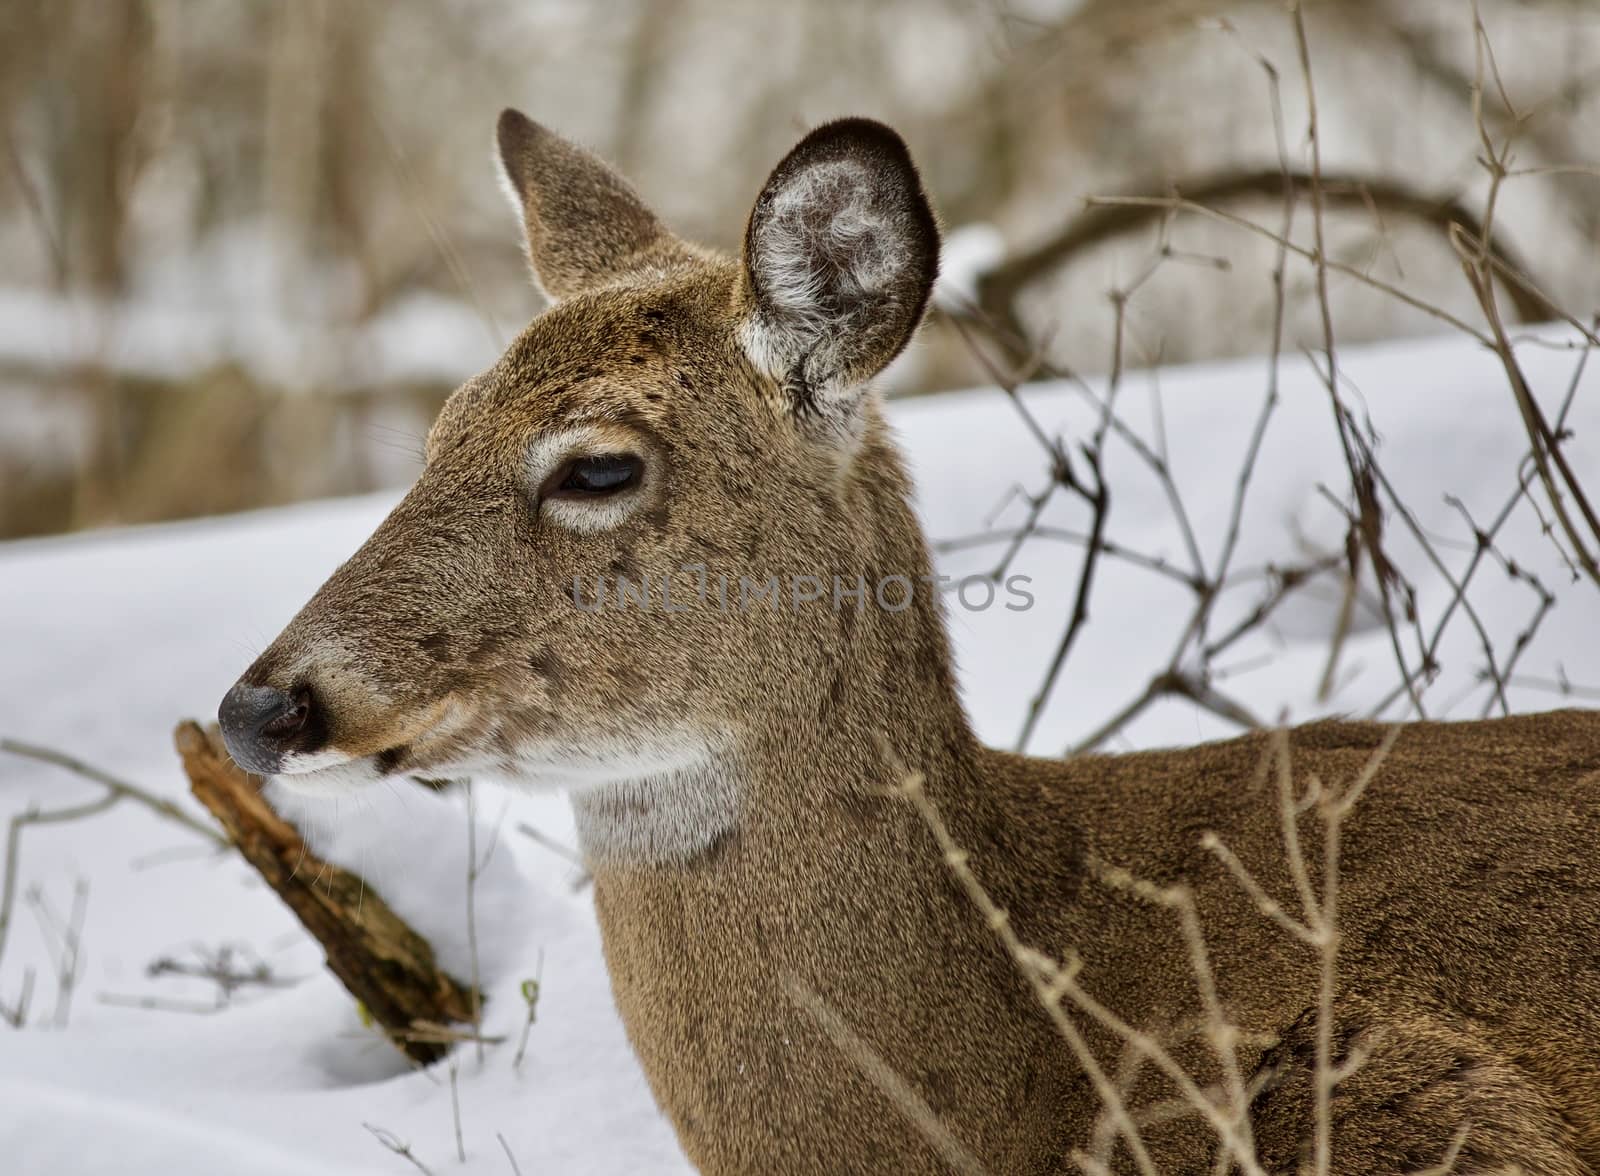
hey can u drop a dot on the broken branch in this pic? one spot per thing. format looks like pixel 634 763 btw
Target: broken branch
pixel 385 964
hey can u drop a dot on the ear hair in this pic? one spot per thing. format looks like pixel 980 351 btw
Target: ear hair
pixel 840 256
pixel 583 225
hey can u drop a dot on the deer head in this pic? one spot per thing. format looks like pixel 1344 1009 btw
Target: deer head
pixel 676 422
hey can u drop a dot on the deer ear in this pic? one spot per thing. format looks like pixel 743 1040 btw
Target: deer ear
pixel 584 226
pixel 840 256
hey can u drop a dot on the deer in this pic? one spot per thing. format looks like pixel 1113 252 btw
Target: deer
pixel 685 424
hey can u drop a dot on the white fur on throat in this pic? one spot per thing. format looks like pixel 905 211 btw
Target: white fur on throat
pixel 657 819
pixel 641 803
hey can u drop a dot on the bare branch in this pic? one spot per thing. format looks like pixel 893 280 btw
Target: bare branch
pixel 119 788
pixel 566 852
pixel 1107 217
pixel 475 991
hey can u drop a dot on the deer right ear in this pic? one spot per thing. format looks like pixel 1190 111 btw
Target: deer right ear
pixel 840 257
pixel 584 226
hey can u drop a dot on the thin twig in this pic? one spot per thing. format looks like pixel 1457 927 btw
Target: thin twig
pixel 571 855
pixel 69 945
pixel 393 1142
pixel 28 817
pixel 1334 266
pixel 17 1015
pixel 118 787
pixel 1106 217
pixel 161 1004
pixel 476 990
pixel 877 1071
pixel 455 1104
pixel 516 1169
pixel 1042 975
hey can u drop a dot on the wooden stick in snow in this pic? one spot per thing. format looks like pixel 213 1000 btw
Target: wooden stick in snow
pixel 385 964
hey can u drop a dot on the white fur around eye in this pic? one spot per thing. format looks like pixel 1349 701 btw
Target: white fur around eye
pixel 590 517
pixel 587 516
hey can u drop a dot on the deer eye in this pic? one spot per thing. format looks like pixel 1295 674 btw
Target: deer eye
pixel 588 477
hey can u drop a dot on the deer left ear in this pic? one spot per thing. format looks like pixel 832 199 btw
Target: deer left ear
pixel 840 257
pixel 583 225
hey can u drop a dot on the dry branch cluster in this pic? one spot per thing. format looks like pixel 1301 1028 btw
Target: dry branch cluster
pixel 66 933
pixel 1365 568
pixel 1223 1107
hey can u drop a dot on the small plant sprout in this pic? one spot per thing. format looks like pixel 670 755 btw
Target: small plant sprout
pixel 530 997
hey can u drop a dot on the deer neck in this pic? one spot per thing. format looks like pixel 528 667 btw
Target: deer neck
pixel 782 780
pixel 886 702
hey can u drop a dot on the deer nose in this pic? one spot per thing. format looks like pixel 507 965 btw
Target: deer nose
pixel 260 724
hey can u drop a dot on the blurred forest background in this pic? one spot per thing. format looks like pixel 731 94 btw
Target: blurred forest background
pixel 249 247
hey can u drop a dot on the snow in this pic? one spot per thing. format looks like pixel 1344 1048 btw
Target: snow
pixel 110 638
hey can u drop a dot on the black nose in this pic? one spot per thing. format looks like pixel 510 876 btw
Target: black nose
pixel 261 724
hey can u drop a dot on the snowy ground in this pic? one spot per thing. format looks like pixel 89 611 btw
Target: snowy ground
pixel 108 639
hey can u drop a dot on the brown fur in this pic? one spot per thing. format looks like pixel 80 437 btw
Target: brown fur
pixel 1467 971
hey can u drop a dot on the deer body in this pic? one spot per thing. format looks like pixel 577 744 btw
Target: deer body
pixel 1467 974
pixel 732 763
